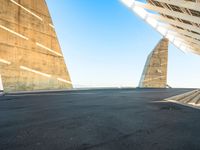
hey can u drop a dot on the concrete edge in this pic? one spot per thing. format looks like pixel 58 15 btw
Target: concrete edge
pixel 76 89
pixel 38 91
pixel 65 90
pixel 1 94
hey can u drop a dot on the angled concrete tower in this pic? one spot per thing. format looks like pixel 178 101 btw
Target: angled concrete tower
pixel 155 70
pixel 30 55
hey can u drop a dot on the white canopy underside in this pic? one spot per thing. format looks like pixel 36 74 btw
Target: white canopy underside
pixel 177 20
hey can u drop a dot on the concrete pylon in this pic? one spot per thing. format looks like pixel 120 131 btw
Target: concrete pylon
pixel 1 85
pixel 30 54
pixel 155 70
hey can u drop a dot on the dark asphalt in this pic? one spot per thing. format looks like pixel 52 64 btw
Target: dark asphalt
pixel 112 119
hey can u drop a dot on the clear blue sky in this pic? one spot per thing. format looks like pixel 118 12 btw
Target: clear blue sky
pixel 105 44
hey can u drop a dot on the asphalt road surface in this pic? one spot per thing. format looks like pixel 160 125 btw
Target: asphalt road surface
pixel 109 119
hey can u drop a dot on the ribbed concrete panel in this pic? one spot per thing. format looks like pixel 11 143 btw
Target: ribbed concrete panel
pixel 30 54
pixel 177 20
pixel 155 70
pixel 190 98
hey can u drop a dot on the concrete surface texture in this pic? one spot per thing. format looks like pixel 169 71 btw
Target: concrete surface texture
pixel 118 119
pixel 30 55
pixel 1 84
pixel 155 70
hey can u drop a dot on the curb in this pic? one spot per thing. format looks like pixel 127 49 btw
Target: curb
pixel 59 91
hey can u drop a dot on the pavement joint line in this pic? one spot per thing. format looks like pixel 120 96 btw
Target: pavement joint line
pixel 53 92
pixel 66 90
pixel 34 94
